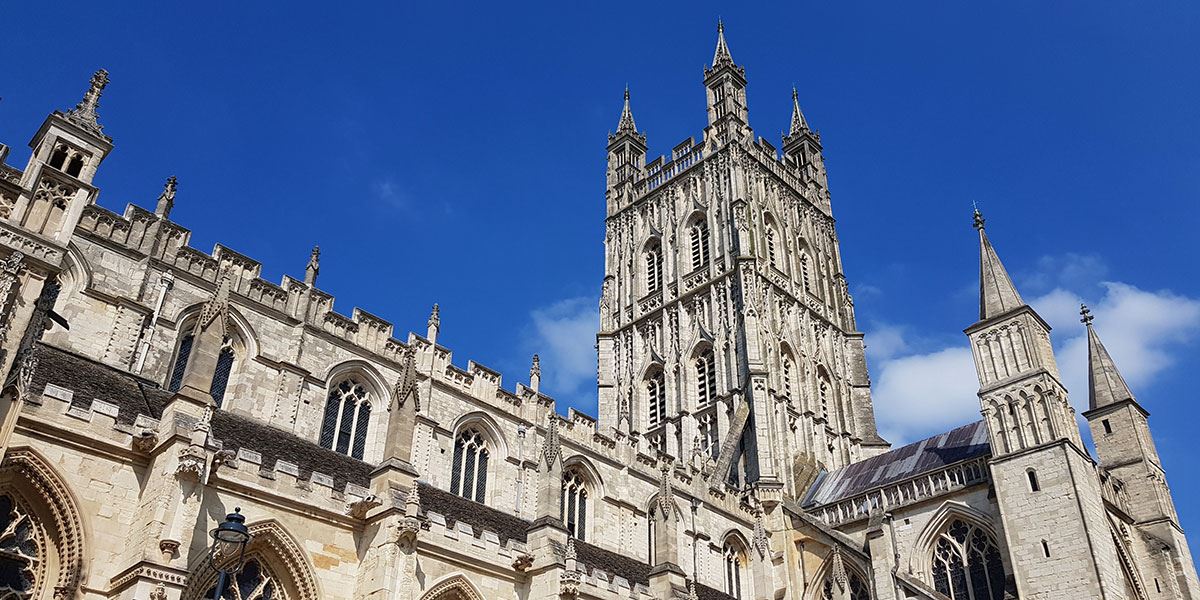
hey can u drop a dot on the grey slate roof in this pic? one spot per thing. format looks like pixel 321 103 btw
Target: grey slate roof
pixel 966 442
pixel 90 380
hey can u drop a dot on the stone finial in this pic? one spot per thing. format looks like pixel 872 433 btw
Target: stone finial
pixel 1106 386
pixel 626 124
pixel 552 448
pixel 412 501
pixel 997 294
pixel 692 595
pixel 570 554
pixel 721 55
pixel 406 384
pixel 535 374
pixel 666 493
pixel 977 220
pixel 166 200
pixel 434 324
pixel 838 570
pixel 799 124
pixel 760 541
pixel 313 267
pixel 84 114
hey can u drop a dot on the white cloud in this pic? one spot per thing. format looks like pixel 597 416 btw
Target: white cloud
pixel 563 334
pixel 388 191
pixel 922 394
pixel 919 394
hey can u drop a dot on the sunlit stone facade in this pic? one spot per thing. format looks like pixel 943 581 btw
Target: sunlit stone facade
pixel 735 454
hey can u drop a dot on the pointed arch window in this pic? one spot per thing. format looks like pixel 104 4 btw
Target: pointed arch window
pixel 220 381
pixel 824 391
pixel 656 396
pixel 706 378
pixel 575 503
pixel 654 268
pixel 967 564
pixel 253 582
pixel 347 417
pixel 698 235
pixel 771 252
pixel 787 372
pixel 21 546
pixel 734 559
pixel 468 474
pixel 806 273
pixel 831 588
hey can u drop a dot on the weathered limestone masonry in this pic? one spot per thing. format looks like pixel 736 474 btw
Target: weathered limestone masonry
pixel 736 453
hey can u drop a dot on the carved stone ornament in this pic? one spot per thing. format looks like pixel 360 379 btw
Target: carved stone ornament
pixel 84 114
pixel 571 578
pixel 839 569
pixel 191 464
pixel 666 502
pixel 25 373
pixel 145 440
pixel 159 593
pixel 359 507
pixel 760 541
pixel 406 384
pixel 522 562
pixel 552 448
pixel 218 305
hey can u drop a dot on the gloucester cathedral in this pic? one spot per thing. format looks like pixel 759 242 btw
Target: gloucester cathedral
pixel 150 388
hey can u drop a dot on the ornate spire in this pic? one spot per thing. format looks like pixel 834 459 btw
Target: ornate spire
pixel 84 114
pixel 721 55
pixel 313 268
pixel 997 294
pixel 434 325
pixel 799 125
pixel 1105 384
pixel 166 200
pixel 535 374
pixel 626 124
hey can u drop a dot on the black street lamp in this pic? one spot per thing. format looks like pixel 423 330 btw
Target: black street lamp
pixel 228 551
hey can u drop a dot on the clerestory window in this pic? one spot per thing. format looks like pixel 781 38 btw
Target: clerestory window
pixel 575 503
pixel 698 235
pixel 468 474
pixel 220 381
pixel 347 417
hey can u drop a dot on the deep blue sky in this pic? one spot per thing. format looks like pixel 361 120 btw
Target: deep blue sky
pixel 455 154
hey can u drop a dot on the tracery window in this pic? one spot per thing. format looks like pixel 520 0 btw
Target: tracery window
pixel 805 274
pixel 966 563
pixel 771 246
pixel 347 417
pixel 468 474
pixel 654 268
pixel 698 235
pixel 574 500
pixel 788 368
pixel 656 395
pixel 21 544
pixel 706 378
pixel 858 589
pixel 734 558
pixel 220 380
pixel 253 582
pixel 823 392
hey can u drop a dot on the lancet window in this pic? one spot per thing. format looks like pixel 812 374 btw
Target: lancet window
pixel 654 268
pixel 786 373
pixel 468 474
pixel 698 235
pixel 656 397
pixel 706 423
pixel 575 503
pixel 824 391
pixel 771 253
pixel 966 563
pixel 856 588
pixel 220 381
pixel 706 378
pixel 347 418
pixel 734 559
pixel 806 273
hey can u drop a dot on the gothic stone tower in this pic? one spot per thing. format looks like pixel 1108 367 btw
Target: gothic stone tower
pixel 1058 534
pixel 39 209
pixel 727 334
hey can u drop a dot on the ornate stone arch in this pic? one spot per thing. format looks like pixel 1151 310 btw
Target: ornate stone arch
pixel 491 430
pixel 279 552
pixel 841 569
pixel 27 474
pixel 919 560
pixel 453 587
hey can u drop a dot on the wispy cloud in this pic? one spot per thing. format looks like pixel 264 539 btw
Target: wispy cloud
pixel 919 393
pixel 387 191
pixel 563 334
